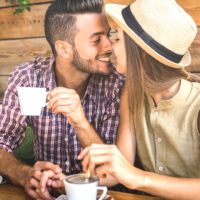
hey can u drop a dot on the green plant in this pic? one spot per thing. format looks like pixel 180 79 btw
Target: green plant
pixel 22 5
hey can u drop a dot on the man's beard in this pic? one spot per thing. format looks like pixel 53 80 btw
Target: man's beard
pixel 86 66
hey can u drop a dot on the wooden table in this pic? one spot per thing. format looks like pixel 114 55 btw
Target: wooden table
pixel 11 192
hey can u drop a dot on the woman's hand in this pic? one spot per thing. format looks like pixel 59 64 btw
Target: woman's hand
pixel 104 159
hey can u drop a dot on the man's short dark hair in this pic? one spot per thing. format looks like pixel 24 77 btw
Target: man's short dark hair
pixel 60 19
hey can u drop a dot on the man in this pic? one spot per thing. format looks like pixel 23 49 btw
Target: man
pixel 83 98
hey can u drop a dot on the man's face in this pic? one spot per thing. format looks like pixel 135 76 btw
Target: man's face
pixel 92 48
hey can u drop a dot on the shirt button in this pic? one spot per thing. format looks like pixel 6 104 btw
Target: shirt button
pixel 160 168
pixel 159 140
pixel 67 162
pixel 66 139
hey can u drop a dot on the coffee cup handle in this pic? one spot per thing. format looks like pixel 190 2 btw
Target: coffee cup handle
pixel 104 191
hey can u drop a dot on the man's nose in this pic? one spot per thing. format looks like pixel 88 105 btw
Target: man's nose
pixel 107 44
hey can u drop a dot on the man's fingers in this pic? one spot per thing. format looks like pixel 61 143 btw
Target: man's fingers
pixel 44 179
pixel 31 186
pixel 35 174
pixel 58 176
pixel 49 182
pixel 44 194
pixel 57 184
pixel 57 181
pixel 64 104
pixel 32 183
pixel 32 193
pixel 63 109
pixel 58 90
pixel 62 94
pixel 36 183
pixel 44 165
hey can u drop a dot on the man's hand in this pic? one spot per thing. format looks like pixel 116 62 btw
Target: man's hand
pixel 35 176
pixel 50 180
pixel 67 102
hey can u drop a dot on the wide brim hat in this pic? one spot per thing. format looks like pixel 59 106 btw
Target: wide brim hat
pixel 160 27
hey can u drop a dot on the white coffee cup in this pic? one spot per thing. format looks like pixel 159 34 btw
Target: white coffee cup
pixel 78 187
pixel 32 100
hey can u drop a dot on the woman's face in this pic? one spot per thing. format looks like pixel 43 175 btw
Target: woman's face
pixel 117 38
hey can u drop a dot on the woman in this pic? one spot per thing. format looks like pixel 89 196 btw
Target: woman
pixel 159 107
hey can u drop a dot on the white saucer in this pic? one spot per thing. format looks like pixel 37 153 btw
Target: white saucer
pixel 64 197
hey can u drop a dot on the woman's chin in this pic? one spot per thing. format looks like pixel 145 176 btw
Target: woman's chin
pixel 121 70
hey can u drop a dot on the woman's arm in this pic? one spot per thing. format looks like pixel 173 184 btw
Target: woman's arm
pixel 125 141
pixel 169 187
pixel 126 137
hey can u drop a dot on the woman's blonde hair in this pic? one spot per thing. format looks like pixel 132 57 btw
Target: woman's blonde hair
pixel 146 75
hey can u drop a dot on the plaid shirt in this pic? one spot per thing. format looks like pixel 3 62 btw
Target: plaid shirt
pixel 55 139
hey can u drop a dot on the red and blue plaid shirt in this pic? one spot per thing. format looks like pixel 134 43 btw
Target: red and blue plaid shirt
pixel 55 139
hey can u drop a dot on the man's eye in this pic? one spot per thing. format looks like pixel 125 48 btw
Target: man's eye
pixel 97 41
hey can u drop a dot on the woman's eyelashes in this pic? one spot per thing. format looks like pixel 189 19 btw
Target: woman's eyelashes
pixel 113 35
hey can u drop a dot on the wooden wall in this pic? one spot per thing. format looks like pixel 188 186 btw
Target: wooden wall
pixel 22 36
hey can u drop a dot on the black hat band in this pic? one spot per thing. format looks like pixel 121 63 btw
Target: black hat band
pixel 135 26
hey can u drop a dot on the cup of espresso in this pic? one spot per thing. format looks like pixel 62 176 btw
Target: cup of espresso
pixel 32 100
pixel 79 187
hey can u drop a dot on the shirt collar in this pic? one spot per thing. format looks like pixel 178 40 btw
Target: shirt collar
pixel 177 100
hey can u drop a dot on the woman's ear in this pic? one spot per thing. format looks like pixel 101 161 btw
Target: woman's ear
pixel 63 49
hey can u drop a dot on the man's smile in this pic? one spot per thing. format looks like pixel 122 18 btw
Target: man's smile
pixel 104 58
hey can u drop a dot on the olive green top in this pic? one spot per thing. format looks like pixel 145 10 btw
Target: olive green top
pixel 172 145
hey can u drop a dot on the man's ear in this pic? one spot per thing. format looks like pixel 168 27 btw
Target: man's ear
pixel 63 49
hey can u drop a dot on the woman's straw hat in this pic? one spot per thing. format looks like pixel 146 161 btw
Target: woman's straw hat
pixel 160 27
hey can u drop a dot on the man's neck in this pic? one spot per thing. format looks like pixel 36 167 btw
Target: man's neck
pixel 70 77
